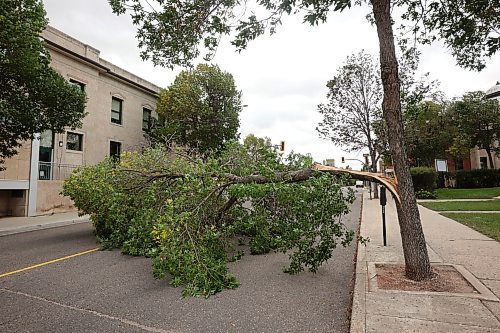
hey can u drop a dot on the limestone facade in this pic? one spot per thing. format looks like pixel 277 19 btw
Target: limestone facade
pixel 117 102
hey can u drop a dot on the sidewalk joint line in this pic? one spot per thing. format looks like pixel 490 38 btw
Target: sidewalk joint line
pixel 92 312
pixel 431 320
pixel 437 254
pixel 497 317
pixel 48 262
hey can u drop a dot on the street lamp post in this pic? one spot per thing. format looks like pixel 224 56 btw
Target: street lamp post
pixel 368 167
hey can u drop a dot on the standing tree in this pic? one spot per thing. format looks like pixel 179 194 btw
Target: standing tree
pixel 479 122
pixel 33 97
pixel 429 132
pixel 354 104
pixel 201 109
pixel 170 33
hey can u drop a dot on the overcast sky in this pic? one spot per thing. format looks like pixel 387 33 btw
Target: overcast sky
pixel 282 77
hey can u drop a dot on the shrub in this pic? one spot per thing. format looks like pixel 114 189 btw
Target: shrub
pixel 425 195
pixel 424 178
pixel 477 178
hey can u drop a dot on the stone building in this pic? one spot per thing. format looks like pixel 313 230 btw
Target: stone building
pixel 478 157
pixel 120 105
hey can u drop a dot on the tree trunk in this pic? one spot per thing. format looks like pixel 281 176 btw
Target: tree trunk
pixel 412 236
pixel 490 158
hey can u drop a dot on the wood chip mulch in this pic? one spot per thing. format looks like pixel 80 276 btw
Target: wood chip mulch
pixel 446 279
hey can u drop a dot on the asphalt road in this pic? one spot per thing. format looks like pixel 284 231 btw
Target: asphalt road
pixel 105 291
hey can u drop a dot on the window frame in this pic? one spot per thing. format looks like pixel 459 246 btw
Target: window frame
pixel 120 111
pixel 80 141
pixel 149 120
pixel 116 157
pixel 483 162
pixel 78 83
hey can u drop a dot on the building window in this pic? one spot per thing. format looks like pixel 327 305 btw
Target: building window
pixel 17 193
pixel 147 121
pixel 483 162
pixel 116 110
pixel 78 84
pixel 74 141
pixel 115 149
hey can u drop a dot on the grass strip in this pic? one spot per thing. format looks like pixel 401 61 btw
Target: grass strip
pixel 463 205
pixel 487 224
pixel 467 193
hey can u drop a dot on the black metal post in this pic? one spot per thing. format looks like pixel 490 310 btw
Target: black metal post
pixel 383 202
pixel 384 234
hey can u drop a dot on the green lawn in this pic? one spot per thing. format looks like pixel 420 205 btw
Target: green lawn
pixel 463 205
pixel 467 193
pixel 487 224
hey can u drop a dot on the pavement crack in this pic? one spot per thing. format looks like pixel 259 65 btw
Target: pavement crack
pixel 92 312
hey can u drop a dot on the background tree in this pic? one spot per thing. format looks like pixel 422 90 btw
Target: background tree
pixel 478 120
pixel 354 104
pixel 201 109
pixel 429 132
pixel 171 33
pixel 33 97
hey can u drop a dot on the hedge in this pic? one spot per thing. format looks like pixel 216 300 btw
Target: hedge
pixel 424 178
pixel 473 178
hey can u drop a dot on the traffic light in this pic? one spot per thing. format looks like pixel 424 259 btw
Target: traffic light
pixel 343 159
pixel 282 146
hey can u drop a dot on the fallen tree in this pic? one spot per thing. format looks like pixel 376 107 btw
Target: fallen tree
pixel 183 211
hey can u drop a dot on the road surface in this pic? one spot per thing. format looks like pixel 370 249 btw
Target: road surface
pixel 105 291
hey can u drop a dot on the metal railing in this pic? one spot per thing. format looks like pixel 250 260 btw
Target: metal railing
pixel 55 171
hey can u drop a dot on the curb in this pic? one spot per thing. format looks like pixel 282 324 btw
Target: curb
pixel 358 311
pixel 28 228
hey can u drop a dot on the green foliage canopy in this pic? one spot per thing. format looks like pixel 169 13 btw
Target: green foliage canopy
pixel 183 212
pixel 33 97
pixel 175 32
pixel 201 109
pixel 478 120
pixel 429 132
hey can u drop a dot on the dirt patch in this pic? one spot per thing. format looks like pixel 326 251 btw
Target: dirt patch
pixel 446 279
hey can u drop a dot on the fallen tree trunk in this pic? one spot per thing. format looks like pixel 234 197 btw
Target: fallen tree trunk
pixel 294 176
pixel 390 183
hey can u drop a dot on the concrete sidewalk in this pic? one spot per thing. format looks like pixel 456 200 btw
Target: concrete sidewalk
pixel 14 225
pixel 477 257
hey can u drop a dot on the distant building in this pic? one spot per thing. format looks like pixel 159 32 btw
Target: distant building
pixel 120 106
pixel 329 162
pixel 479 157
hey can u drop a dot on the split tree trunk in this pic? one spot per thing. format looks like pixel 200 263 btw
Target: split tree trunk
pixel 414 246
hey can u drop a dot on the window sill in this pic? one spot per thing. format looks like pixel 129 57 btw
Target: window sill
pixel 74 151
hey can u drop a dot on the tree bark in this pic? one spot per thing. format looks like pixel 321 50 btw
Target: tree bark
pixel 414 246
pixel 490 158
